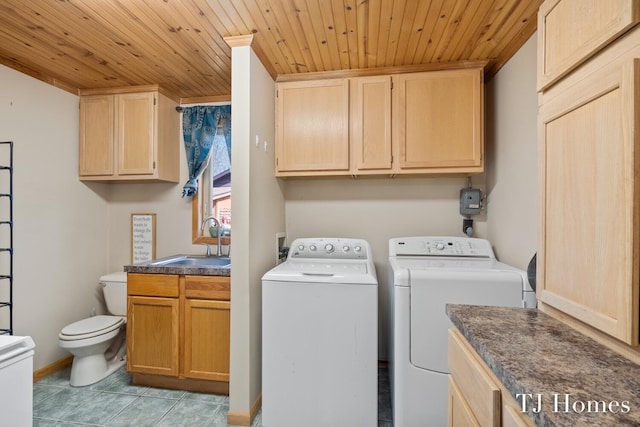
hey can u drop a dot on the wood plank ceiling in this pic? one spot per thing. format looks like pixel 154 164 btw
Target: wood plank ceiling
pixel 178 44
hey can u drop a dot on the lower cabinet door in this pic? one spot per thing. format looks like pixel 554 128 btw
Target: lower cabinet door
pixel 153 335
pixel 207 339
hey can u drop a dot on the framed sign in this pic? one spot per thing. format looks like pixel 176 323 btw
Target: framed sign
pixel 143 237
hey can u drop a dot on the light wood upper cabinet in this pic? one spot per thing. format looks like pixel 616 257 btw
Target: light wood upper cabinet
pixel 130 135
pixel 371 124
pixel 571 31
pixel 312 127
pixel 439 122
pixel 590 210
pixel 419 123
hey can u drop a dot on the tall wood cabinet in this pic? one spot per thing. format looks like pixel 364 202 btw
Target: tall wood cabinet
pixel 589 134
pixel 178 326
pixel 129 134
pixel 415 123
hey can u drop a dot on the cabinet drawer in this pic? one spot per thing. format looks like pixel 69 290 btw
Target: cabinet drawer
pixel 571 31
pixel 153 285
pixel 460 415
pixel 476 386
pixel 208 287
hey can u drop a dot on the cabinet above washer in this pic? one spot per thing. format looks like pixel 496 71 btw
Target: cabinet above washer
pixel 413 123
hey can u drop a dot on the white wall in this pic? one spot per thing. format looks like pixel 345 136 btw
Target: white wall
pixel 60 223
pixel 258 214
pixel 512 174
pixel 173 217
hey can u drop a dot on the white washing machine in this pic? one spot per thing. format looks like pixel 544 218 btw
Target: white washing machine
pixel 427 273
pixel 320 336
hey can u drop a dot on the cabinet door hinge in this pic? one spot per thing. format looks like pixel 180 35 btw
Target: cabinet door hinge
pixel 154 165
pixel 154 100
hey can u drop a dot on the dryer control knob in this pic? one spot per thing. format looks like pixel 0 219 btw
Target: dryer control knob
pixel 357 248
pixel 439 246
pixel 312 248
pixel 328 248
pixel 346 248
pixel 301 247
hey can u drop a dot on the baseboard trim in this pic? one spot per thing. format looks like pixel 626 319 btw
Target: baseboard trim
pixel 244 418
pixel 54 367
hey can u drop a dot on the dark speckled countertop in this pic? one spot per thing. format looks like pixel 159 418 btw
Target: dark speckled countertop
pixel 156 267
pixel 531 352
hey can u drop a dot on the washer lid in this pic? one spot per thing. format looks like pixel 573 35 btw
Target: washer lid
pixel 323 271
pixel 96 325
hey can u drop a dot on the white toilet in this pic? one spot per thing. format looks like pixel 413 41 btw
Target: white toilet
pixel 98 343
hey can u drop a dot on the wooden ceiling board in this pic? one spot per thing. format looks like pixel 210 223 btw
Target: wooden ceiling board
pixel 179 44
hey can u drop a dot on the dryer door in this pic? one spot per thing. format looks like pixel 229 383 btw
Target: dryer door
pixel 431 290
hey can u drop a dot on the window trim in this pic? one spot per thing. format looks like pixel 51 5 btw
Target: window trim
pixel 196 221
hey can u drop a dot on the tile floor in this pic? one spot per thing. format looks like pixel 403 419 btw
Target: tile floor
pixel 114 401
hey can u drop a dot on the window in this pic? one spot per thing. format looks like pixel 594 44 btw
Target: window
pixel 213 197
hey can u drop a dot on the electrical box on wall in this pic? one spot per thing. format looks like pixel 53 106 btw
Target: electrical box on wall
pixel 470 201
pixel 281 247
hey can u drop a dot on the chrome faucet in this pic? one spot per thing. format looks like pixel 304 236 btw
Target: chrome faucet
pixel 217 222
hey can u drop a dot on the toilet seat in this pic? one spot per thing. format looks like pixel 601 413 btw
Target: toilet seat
pixel 91 327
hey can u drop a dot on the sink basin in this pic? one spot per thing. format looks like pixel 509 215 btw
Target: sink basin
pixel 195 261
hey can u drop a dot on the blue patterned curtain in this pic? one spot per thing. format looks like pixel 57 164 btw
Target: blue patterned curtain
pixel 199 127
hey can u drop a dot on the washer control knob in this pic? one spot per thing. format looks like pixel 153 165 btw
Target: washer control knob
pixel 312 248
pixel 328 248
pixel 357 248
pixel 301 247
pixel 440 246
pixel 346 248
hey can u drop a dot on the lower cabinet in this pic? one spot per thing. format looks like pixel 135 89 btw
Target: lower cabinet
pixel 207 326
pixel 178 330
pixel 476 397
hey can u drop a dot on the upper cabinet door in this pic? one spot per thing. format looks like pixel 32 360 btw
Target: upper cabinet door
pixel 590 211
pixel 438 121
pixel 571 31
pixel 312 127
pixel 135 129
pixel 96 135
pixel 371 124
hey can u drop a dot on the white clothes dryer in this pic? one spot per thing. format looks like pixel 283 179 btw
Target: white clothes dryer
pixel 320 336
pixel 425 274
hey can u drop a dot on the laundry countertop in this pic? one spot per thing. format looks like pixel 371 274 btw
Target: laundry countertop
pixel 580 382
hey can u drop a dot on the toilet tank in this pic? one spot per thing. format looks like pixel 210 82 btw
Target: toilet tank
pixel 114 287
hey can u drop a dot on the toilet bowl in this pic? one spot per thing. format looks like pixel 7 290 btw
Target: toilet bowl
pixel 98 343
